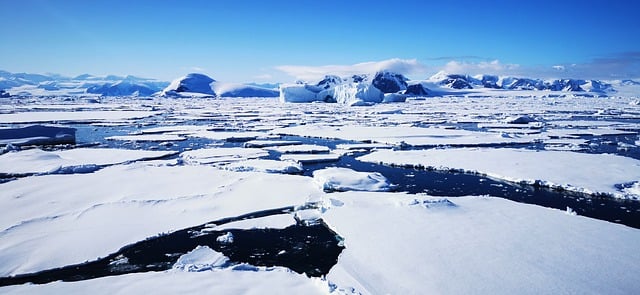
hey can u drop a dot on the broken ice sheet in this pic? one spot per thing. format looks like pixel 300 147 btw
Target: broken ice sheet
pixel 56 220
pixel 267 166
pixel 401 135
pixel 221 155
pixel 586 173
pixel 85 116
pixel 490 244
pixel 39 161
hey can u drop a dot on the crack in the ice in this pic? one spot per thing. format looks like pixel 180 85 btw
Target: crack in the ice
pixel 311 249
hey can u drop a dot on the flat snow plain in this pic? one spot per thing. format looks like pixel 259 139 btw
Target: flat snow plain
pixel 199 160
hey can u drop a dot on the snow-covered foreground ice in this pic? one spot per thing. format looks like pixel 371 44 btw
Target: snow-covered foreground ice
pixel 412 244
pixel 226 281
pixel 588 173
pixel 57 220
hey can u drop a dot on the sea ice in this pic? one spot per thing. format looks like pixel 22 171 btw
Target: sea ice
pixel 493 245
pixel 588 173
pixel 85 116
pixel 221 155
pixel 39 161
pixel 201 258
pixel 147 137
pixel 57 220
pixel 300 149
pixel 310 158
pixel 37 135
pixel 267 166
pixel 400 135
pixel 344 179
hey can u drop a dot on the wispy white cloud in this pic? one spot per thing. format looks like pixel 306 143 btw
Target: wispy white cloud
pixel 313 73
pixel 494 67
pixel 616 66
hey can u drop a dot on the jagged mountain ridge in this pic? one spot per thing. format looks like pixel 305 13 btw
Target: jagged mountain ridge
pixel 387 82
pixel 457 81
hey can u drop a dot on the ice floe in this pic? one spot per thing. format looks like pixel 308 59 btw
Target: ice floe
pixel 252 280
pixel 221 155
pixel 587 173
pixel 147 137
pixel 37 135
pixel 344 179
pixel 34 161
pixel 398 135
pixel 300 149
pixel 202 258
pixel 85 116
pixel 58 220
pixel 492 245
pixel 310 158
pixel 265 165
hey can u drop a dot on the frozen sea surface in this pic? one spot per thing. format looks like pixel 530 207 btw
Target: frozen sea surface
pixel 165 169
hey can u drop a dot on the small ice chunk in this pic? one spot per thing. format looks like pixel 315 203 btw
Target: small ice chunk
pixel 344 179
pixel 225 239
pixel 267 166
pixel 202 258
pixel 308 216
pixel 301 149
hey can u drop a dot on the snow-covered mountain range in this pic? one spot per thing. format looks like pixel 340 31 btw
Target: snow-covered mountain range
pixel 382 86
pixel 191 85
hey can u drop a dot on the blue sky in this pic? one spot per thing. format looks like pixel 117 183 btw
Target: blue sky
pixel 241 41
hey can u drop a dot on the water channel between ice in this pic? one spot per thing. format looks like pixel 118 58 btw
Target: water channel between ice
pixel 436 183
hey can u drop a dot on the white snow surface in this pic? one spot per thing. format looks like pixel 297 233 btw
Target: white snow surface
pixel 397 135
pixel 310 158
pixel 344 179
pixel 147 137
pixel 587 173
pixel 221 155
pixel 253 281
pixel 58 220
pixel 300 148
pixel 39 161
pixel 265 165
pixel 417 244
pixel 85 116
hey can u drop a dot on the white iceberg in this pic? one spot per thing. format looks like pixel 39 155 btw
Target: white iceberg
pixel 357 94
